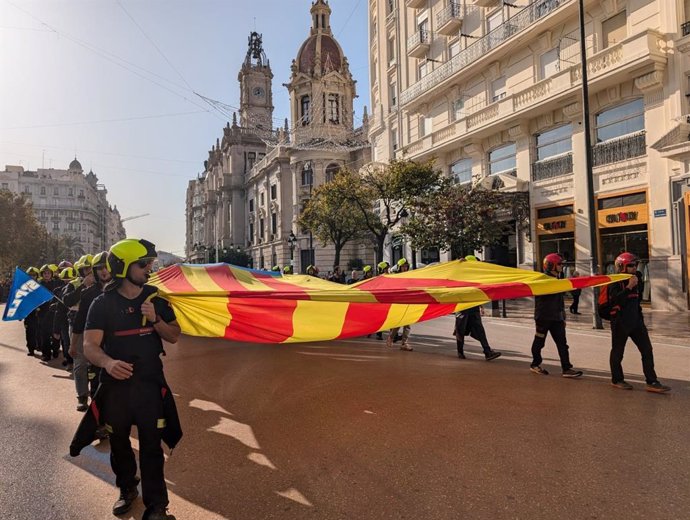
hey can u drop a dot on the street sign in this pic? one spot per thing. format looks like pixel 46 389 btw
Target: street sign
pixel 659 213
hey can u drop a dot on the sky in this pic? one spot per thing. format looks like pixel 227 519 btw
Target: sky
pixel 114 81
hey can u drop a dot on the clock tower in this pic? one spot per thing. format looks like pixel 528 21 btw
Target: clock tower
pixel 256 96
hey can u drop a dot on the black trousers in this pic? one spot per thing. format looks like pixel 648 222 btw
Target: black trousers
pixel 472 322
pixel 576 300
pixel 557 330
pixel 93 374
pixel 640 336
pixel 140 404
pixel 31 331
pixel 45 333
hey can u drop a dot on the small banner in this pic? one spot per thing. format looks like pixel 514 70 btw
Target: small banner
pixel 25 295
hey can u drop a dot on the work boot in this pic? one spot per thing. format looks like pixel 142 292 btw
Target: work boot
pixel 83 404
pixel 461 354
pixel 570 373
pixel 492 354
pixel 539 370
pixel 157 514
pixel 46 358
pixel 124 503
pixel 657 387
pixel 622 385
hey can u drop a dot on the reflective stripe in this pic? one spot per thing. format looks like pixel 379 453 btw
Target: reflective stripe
pixel 133 332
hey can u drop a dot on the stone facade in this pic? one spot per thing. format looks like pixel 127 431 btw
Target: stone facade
pixel 257 179
pixel 68 203
pixel 492 90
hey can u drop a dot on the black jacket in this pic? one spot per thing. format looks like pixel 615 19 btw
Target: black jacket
pixel 550 307
pixel 626 305
pixel 97 416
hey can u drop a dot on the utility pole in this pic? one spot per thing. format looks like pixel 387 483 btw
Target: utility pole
pixel 592 216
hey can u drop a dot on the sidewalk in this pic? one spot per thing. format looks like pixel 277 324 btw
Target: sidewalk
pixel 662 324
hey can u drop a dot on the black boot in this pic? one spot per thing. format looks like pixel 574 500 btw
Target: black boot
pixel 157 514
pixel 461 354
pixel 492 354
pixel 124 503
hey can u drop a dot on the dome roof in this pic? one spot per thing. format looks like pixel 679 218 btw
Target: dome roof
pixel 327 47
pixel 75 165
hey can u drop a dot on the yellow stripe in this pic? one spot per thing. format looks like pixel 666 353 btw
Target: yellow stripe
pixel 201 315
pixel 317 321
pixel 249 281
pixel 200 279
pixel 400 314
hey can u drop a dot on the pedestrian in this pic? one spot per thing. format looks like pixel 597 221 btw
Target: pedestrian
pixel 31 323
pixel 312 270
pixel 124 330
pixel 469 322
pixel 576 296
pixel 63 316
pixel 402 267
pixel 627 321
pixel 549 317
pixel 46 313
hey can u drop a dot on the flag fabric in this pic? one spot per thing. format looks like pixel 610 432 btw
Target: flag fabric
pixel 25 295
pixel 240 304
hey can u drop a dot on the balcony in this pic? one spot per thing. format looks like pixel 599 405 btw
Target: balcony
pixel 391 17
pixel 419 43
pixel 683 43
pixel 552 167
pixel 416 4
pixel 685 29
pixel 482 46
pixel 486 3
pixel 449 20
pixel 620 149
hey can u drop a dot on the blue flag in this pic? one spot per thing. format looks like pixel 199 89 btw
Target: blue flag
pixel 25 295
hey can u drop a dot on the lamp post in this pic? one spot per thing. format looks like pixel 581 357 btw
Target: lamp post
pixel 594 249
pixel 292 240
pixel 310 175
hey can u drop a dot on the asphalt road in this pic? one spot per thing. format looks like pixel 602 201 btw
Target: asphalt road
pixel 352 430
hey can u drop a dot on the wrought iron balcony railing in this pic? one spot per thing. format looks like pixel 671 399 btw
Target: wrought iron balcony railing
pixel 552 167
pixel 619 149
pixel 685 28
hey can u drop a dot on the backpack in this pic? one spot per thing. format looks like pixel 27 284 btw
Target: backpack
pixel 604 306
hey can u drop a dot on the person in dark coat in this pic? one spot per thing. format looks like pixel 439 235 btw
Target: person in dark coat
pixel 549 317
pixel 124 330
pixel 627 321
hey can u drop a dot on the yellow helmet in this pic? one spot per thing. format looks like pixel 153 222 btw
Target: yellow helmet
pixel 366 268
pixel 32 271
pixel 68 273
pixel 471 258
pixel 402 262
pixel 86 260
pixel 126 252
pixel 49 267
pixel 100 260
pixel 383 265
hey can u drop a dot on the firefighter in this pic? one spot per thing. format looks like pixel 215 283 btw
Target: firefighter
pixel 63 315
pixel 383 267
pixel 312 270
pixel 367 272
pixel 46 312
pixel 123 335
pixel 627 321
pixel 549 317
pixel 469 322
pixel 31 321
pixel 287 269
pixel 402 267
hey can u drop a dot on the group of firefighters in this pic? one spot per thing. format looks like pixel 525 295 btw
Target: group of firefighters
pixel 109 325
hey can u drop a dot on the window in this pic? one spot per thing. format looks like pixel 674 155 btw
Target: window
pixel 554 142
pixel 393 94
pixel 453 48
pixel 43 190
pixel 498 89
pixel 5 186
pixel 503 159
pixel 27 189
pixel 423 69
pixel 631 199
pixel 334 109
pixel 461 171
pixel 56 191
pixel 262 229
pixel 425 126
pixel 622 120
pixel 274 191
pixel 70 192
pixel 456 109
pixel 391 51
pixel 251 159
pixel 81 193
pixel 548 64
pixel 423 28
pixel 331 171
pixel 555 211
pixel 251 231
pixel 56 226
pixel 494 21
pixel 251 205
pixel 306 110
pixel 274 223
pixel 307 175
pixel 394 139
pixel 391 6
pixel 613 30
pixel 261 199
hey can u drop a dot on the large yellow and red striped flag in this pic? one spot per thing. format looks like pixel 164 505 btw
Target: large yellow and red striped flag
pixel 239 304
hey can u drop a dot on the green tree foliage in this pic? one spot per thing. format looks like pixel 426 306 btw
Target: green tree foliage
pixel 462 220
pixel 385 195
pixel 332 215
pixel 58 248
pixel 22 237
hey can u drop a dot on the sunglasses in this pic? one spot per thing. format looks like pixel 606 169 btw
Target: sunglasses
pixel 142 264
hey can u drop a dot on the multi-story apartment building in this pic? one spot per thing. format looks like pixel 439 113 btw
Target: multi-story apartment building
pixel 257 180
pixel 492 90
pixel 68 203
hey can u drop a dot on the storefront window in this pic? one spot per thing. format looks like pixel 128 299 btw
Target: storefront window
pixel 564 245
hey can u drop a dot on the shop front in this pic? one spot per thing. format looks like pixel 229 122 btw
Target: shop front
pixel 556 234
pixel 623 226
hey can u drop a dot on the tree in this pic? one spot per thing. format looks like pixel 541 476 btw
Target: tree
pixel 233 256
pixel 462 220
pixel 331 214
pixel 385 195
pixel 22 237
pixel 58 248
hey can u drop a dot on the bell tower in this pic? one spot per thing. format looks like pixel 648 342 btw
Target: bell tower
pixel 256 95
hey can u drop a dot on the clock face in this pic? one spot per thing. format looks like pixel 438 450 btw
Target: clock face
pixel 258 91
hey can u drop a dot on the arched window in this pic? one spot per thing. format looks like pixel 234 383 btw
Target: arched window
pixel 305 103
pixel 331 171
pixel 307 174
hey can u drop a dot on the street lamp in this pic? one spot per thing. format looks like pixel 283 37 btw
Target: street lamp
pixel 292 240
pixel 309 172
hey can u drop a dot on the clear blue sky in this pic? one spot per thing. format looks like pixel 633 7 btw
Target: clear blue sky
pixel 86 76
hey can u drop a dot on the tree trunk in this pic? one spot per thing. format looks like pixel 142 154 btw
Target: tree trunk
pixel 380 241
pixel 336 260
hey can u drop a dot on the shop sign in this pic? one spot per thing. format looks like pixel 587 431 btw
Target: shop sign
pixel 556 225
pixel 623 216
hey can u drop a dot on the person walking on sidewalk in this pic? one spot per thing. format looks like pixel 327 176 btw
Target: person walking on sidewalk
pixel 576 296
pixel 627 321
pixel 469 322
pixel 549 317
pixel 402 267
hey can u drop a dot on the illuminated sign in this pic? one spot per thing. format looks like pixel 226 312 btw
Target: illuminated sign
pixel 623 216
pixel 555 225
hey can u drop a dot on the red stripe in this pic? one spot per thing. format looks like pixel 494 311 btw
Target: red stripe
pixel 260 321
pixel 223 276
pixel 436 311
pixel 174 279
pixel 361 318
pixel 381 282
pixel 96 412
pixel 588 281
pixel 133 332
pixel 506 291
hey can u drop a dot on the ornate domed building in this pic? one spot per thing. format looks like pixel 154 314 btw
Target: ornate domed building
pixel 257 179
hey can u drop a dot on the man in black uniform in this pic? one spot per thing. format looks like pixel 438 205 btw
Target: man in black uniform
pixel 123 333
pixel 549 316
pixel 627 321
pixel 46 313
pixel 31 321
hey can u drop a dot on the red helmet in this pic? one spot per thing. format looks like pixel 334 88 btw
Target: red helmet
pixel 551 261
pixel 624 260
